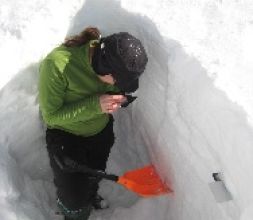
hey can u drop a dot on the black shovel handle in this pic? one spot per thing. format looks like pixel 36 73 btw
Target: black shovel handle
pixel 70 166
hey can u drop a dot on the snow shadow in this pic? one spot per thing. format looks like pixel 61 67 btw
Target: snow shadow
pixel 26 177
pixel 23 131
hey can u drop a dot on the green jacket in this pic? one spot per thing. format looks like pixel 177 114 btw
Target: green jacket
pixel 69 91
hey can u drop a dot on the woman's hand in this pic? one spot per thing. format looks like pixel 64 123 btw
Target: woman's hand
pixel 111 103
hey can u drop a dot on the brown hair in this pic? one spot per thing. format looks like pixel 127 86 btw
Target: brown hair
pixel 89 33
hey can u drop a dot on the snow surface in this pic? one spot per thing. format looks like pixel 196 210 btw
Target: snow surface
pixel 193 116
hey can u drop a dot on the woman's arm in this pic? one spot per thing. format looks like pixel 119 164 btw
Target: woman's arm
pixel 52 87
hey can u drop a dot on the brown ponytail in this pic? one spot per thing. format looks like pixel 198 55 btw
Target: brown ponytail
pixel 90 33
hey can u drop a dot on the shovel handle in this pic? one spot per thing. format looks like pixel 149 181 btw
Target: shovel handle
pixel 70 166
pixel 97 173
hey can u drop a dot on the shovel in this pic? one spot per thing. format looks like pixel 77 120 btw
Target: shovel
pixel 144 181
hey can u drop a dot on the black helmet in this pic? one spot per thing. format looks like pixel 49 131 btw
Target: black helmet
pixel 124 57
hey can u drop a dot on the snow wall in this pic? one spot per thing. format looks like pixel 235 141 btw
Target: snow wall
pixel 192 118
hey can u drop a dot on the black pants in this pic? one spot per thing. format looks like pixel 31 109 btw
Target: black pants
pixel 77 190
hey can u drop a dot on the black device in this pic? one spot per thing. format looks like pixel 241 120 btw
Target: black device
pixel 130 98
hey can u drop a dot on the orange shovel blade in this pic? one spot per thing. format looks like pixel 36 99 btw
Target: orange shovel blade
pixel 145 182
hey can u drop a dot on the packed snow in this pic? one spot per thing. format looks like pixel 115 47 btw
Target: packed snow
pixel 193 116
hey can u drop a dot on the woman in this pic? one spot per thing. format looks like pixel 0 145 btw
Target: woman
pixel 82 82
